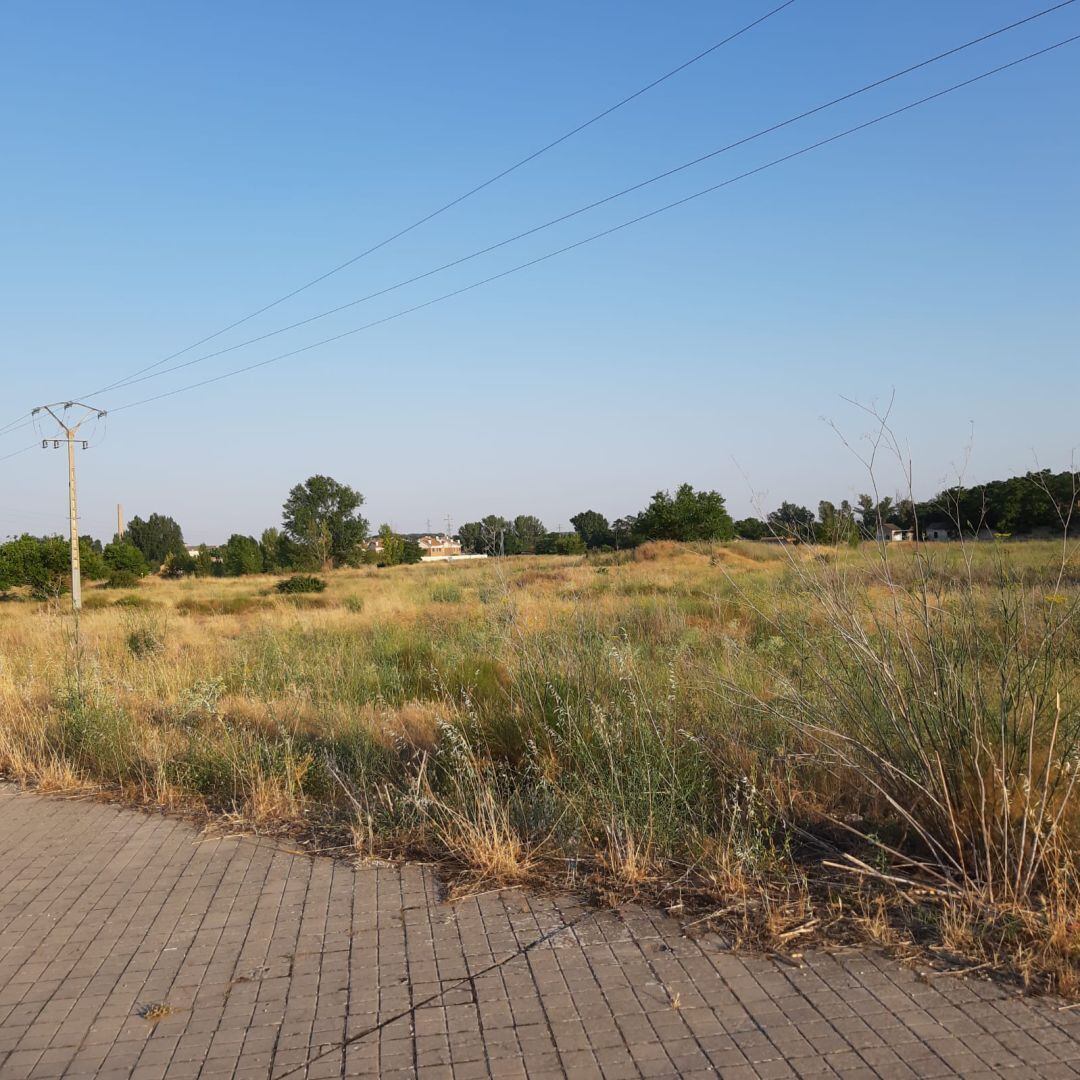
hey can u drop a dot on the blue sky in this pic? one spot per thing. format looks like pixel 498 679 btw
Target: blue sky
pixel 170 168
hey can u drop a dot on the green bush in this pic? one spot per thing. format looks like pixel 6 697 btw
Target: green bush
pixel 121 557
pixel 133 600
pixel 301 583
pixel 122 579
pixel 145 641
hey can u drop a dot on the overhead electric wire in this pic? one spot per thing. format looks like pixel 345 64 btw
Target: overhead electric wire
pixel 468 194
pixel 614 229
pixel 16 453
pixel 140 377
pixel 17 423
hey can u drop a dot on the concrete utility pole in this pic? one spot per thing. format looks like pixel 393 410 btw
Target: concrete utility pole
pixel 119 522
pixel 70 431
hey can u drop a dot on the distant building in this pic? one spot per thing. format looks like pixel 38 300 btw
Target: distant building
pixel 439 547
pixel 937 530
pixel 889 532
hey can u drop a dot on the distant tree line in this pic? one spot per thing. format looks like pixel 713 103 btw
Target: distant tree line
pixel 524 535
pixel 322 528
pixel 1039 502
pixel 686 515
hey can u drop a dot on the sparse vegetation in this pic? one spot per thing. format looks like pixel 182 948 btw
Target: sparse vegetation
pixel 301 583
pixel 848 741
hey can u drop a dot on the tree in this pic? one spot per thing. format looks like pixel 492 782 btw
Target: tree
pixel 242 555
pixel 122 557
pixel 690 515
pixel 393 547
pixel 471 535
pixel 569 544
pixel 792 520
pixel 16 557
pixel 157 537
pixel 177 565
pixel 528 530
pixel 91 560
pixel 321 516
pixel 270 547
pixel 874 513
pixel 43 563
pixel 412 552
pixel 751 529
pixel 554 543
pixel 836 526
pixel 493 530
pixel 867 511
pixel 208 562
pixel 623 531
pixel 593 528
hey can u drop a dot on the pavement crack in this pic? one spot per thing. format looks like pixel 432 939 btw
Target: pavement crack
pixel 456 984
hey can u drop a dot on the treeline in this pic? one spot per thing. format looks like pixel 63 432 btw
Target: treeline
pixel 322 528
pixel 686 515
pixel 1036 503
pixel 44 563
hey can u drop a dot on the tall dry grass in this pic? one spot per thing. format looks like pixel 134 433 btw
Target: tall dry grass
pixel 785 738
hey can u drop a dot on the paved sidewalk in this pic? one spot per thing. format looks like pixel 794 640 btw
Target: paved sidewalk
pixel 272 964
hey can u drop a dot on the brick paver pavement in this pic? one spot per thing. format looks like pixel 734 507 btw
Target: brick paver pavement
pixel 273 964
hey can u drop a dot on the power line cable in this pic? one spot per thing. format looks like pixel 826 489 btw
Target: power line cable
pixel 16 453
pixel 16 424
pixel 140 377
pixel 468 194
pixel 135 377
pixel 608 232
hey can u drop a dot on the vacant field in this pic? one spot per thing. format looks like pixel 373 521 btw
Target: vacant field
pixel 794 742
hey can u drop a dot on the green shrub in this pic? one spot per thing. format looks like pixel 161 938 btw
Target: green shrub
pixel 133 600
pixel 145 641
pixel 121 579
pixel 124 558
pixel 301 583
pixel 355 604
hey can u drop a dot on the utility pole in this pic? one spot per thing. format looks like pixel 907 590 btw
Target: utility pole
pixel 70 431
pixel 119 522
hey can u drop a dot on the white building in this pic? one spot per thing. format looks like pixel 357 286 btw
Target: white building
pixel 889 532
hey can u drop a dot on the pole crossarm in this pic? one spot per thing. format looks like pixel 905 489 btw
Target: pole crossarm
pixel 89 410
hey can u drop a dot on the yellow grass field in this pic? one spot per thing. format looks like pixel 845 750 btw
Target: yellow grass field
pixel 798 742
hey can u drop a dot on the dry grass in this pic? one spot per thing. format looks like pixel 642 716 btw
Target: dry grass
pixel 780 742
